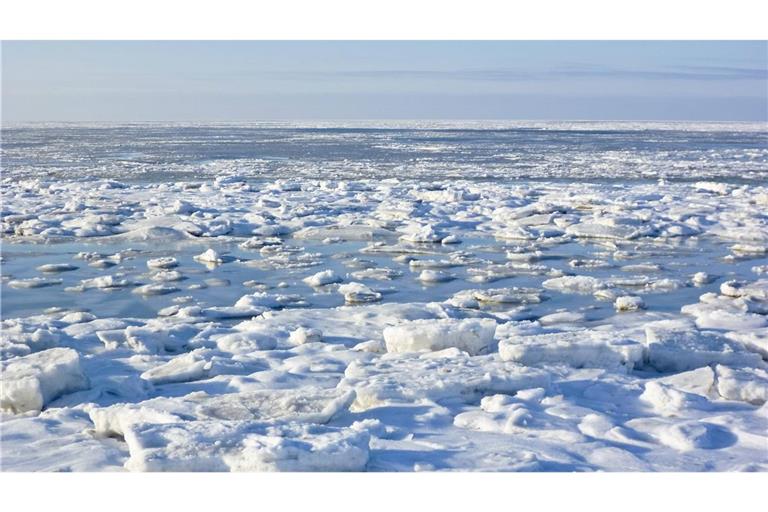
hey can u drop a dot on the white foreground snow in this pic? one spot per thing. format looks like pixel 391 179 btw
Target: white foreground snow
pixel 245 446
pixel 30 382
pixel 473 336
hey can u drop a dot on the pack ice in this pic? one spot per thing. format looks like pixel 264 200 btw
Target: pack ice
pixel 259 315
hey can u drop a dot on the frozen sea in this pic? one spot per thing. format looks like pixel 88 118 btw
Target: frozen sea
pixel 385 296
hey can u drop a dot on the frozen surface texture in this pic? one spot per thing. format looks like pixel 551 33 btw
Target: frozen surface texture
pixel 265 297
pixel 30 382
pixel 245 446
pixel 473 336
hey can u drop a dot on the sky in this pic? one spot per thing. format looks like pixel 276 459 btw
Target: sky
pixel 123 81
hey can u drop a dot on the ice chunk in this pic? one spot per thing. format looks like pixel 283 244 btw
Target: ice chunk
pixel 259 242
pixel 157 338
pixel 102 282
pixel 379 274
pixel 209 256
pixel 163 276
pixel 513 295
pixel 184 368
pixel 700 381
pixel 115 420
pixel 322 278
pixel 246 342
pixel 18 338
pixel 304 335
pixel 701 278
pixel 57 440
pixel 405 378
pixel 562 317
pixel 517 232
pixel 712 186
pixel 472 335
pixel 628 303
pixel 755 340
pixel 57 267
pixel 579 349
pixel 30 382
pixel 750 249
pixel 348 232
pixel 245 446
pixel 666 400
pixel 306 404
pixel 261 300
pixel 374 346
pixel 77 317
pixel 744 384
pixel 422 234
pixel 451 239
pixel 155 289
pixel 574 284
pixel 733 288
pixel 611 232
pixel 722 312
pixel 434 276
pixel 358 293
pixel 757 290
pixel 162 263
pixel 33 282
pixel 672 348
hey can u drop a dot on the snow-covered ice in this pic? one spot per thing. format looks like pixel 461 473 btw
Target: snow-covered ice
pixel 471 335
pixel 408 308
pixel 245 446
pixel 32 381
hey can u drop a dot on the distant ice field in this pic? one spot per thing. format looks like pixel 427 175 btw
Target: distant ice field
pixel 390 296
pixel 479 150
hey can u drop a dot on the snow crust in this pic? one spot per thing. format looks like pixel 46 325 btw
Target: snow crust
pixel 32 381
pixel 473 336
pixel 245 446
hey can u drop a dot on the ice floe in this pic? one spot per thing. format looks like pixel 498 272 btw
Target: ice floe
pixel 245 446
pixel 473 336
pixel 30 382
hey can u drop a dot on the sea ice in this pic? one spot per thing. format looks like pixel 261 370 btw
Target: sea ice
pixel 322 278
pixel 33 282
pixel 306 405
pixel 434 276
pixel 154 289
pixel 162 263
pixel 358 293
pixel 57 267
pixel 209 256
pixel 574 284
pixel 671 347
pixel 31 381
pixel 304 335
pixel 744 384
pixel 398 378
pixel 473 336
pixel 586 348
pixel 628 303
pixel 245 446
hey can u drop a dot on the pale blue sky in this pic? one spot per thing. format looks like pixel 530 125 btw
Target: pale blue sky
pixel 237 81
